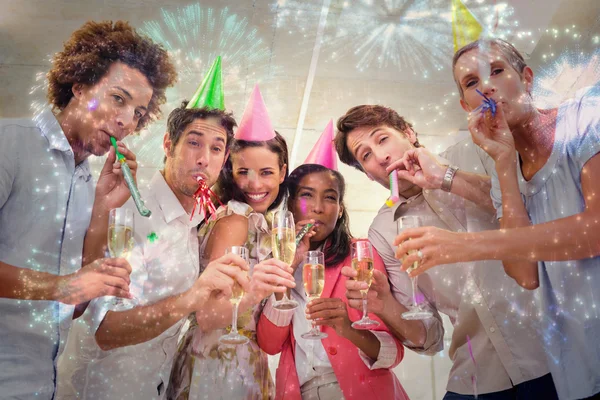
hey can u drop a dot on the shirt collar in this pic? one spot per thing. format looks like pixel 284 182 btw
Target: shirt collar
pixel 51 130
pixel 46 121
pixel 169 203
pixel 405 200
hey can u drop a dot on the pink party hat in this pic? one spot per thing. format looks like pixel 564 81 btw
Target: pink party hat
pixel 323 152
pixel 255 125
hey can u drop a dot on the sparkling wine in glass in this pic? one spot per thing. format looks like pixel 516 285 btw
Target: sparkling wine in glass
pixel 362 263
pixel 283 244
pixel 120 232
pixel 237 292
pixel 416 311
pixel 120 244
pixel 313 277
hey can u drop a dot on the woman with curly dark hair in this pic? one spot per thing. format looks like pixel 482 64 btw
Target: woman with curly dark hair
pixel 108 81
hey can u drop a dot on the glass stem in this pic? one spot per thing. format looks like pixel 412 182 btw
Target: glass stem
pixel 315 330
pixel 414 291
pixel 364 301
pixel 234 328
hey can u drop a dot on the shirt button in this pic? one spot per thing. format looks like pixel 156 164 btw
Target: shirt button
pixel 492 329
pixel 332 350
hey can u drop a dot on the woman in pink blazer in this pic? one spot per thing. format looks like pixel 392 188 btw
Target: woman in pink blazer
pixel 349 363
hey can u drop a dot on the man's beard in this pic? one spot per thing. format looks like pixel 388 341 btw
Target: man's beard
pixel 188 190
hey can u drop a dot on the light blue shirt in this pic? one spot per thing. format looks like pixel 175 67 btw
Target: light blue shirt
pixel 45 208
pixel 569 291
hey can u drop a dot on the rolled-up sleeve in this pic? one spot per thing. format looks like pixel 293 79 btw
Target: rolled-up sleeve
pixel 281 318
pixel 388 351
pixel 401 288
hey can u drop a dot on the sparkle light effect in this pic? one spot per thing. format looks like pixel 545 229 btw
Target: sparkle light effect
pixel 414 36
pixel 92 104
pixel 567 73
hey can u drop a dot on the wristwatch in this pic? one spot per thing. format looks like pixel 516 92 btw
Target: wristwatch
pixel 448 178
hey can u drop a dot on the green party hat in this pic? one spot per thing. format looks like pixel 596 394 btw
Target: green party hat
pixel 210 92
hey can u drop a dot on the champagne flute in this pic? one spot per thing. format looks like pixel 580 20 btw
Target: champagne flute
pixel 120 244
pixel 362 262
pixel 237 292
pixel 416 311
pixel 283 244
pixel 313 276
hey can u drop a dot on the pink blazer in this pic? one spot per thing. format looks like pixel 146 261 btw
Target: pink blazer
pixel 356 380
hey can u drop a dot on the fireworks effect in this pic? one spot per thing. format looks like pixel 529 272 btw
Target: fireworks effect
pixel 194 36
pixel 414 36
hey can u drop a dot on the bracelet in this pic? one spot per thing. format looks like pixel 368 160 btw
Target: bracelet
pixel 448 178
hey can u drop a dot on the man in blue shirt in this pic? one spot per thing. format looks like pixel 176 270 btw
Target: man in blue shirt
pixel 108 81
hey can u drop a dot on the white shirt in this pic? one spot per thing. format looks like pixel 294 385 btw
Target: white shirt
pixel 45 208
pixel 311 358
pixel 164 267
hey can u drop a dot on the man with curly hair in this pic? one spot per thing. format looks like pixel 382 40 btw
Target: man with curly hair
pixel 108 81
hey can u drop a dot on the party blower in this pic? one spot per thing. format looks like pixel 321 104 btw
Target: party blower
pixel 394 194
pixel 135 193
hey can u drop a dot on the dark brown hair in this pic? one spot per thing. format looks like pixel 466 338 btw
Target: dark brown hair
pixel 337 247
pixel 512 55
pixel 226 189
pixel 181 117
pixel 93 48
pixel 365 116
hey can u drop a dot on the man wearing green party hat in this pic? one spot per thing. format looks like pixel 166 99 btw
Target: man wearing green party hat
pixel 124 349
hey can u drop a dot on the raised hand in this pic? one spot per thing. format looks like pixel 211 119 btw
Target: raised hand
pixel 103 277
pixel 492 133
pixel 218 277
pixel 419 167
pixel 268 277
pixel 377 295
pixel 430 246
pixel 304 244
pixel 111 189
pixel 329 312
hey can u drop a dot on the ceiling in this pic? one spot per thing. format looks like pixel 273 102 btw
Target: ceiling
pixel 313 59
